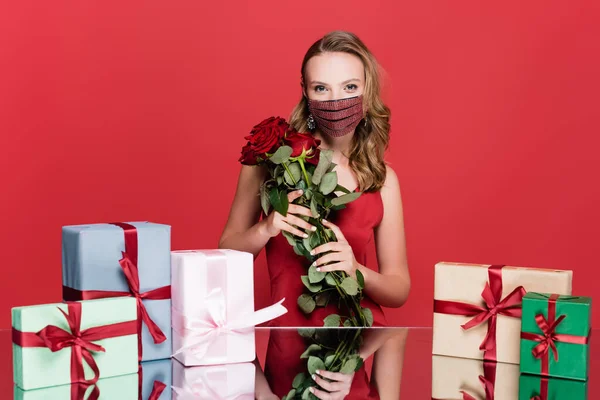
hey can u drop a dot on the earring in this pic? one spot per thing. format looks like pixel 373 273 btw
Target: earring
pixel 311 122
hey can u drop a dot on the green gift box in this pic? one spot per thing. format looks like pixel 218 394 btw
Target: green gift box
pixel 555 333
pixel 539 388
pixel 58 344
pixel 123 387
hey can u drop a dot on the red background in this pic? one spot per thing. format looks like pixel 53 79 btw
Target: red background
pixel 137 111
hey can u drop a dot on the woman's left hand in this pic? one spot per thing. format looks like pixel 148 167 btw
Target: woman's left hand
pixel 341 256
pixel 337 385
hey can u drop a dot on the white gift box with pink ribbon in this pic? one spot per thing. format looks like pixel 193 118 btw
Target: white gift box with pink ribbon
pixel 214 382
pixel 213 316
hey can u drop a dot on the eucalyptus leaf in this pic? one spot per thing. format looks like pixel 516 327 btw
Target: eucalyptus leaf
pixel 330 279
pixel 329 360
pixel 291 394
pixel 359 363
pixel 349 366
pixel 331 167
pixel 330 235
pixel 332 321
pixel 306 242
pixel 340 188
pixel 313 287
pixel 306 394
pixel 298 379
pixel 314 364
pixel 264 199
pixel 322 299
pixel 328 183
pixel 306 332
pixel 345 199
pixel 325 158
pixel 299 249
pixel 306 303
pixel 313 208
pixel 368 315
pixel 337 208
pixel 290 238
pixel 308 193
pixel 315 240
pixel 301 185
pixel 296 172
pixel 310 350
pixel 281 155
pixel 360 278
pixel 280 180
pixel 315 276
pixel 347 323
pixel 350 286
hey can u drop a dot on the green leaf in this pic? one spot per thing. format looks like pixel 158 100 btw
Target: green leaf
pixel 313 208
pixel 360 278
pixel 332 321
pixel 330 235
pixel 308 193
pixel 306 242
pixel 264 199
pixel 337 208
pixel 331 167
pixel 359 363
pixel 298 379
pixel 328 183
pixel 306 394
pixel 313 287
pixel 311 349
pixel 368 315
pixel 281 155
pixel 298 249
pixel 291 394
pixel 315 240
pixel 340 188
pixel 315 276
pixel 349 366
pixel 330 279
pixel 345 199
pixel 301 185
pixel 279 201
pixel 329 360
pixel 315 363
pixel 290 237
pixel 350 286
pixel 325 158
pixel 296 172
pixel 347 323
pixel 306 332
pixel 322 299
pixel 306 303
pixel 279 180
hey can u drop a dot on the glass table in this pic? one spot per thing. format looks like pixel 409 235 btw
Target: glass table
pixel 398 365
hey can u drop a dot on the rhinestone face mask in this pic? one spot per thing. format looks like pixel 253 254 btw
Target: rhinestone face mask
pixel 337 117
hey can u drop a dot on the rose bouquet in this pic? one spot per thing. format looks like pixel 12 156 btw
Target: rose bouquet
pixel 295 161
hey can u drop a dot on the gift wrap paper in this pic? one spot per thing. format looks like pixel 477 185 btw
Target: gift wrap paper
pixel 196 274
pixel 91 255
pixel 573 359
pixel 38 367
pixel 214 382
pixel 558 389
pixel 464 282
pixel 451 375
pixel 160 371
pixel 117 388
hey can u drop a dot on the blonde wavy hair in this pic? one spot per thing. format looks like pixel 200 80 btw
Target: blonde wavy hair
pixel 370 140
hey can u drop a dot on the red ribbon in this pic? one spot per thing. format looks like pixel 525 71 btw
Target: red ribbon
pixel 130 269
pixel 157 388
pixel 543 391
pixel 547 340
pixel 488 380
pixel 494 304
pixel 80 342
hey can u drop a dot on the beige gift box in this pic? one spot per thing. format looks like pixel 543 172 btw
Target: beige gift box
pixel 451 375
pixel 464 283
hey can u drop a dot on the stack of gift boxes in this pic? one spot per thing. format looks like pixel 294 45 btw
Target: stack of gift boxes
pixel 140 321
pixel 503 332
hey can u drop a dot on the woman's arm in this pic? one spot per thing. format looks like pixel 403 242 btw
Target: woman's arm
pixel 387 366
pixel 243 231
pixel 390 286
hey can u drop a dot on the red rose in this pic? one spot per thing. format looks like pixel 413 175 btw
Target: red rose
pixel 313 158
pixel 300 142
pixel 263 138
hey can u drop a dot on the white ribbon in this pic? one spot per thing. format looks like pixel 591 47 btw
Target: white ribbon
pixel 202 333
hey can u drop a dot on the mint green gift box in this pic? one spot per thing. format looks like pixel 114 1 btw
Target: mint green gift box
pixel 123 387
pixel 39 367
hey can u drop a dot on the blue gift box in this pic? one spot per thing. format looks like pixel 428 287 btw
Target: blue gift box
pixel 156 371
pixel 90 262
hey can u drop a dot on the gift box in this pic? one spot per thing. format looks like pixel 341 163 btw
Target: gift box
pixel 477 310
pixel 124 259
pixel 156 379
pixel 213 315
pixel 539 388
pixel 555 334
pixel 58 344
pixel 117 388
pixel 214 382
pixel 461 378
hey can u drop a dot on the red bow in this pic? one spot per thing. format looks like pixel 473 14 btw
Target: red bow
pixel 543 391
pixel 80 342
pixel 130 269
pixel 157 390
pixel 492 292
pixel 549 336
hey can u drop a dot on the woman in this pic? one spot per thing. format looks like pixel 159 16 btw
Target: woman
pixel 341 106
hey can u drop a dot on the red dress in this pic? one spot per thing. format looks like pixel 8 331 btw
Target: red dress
pixel 283 362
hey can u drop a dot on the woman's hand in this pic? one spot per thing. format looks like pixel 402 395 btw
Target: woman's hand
pixel 342 255
pixel 337 385
pixel 276 222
